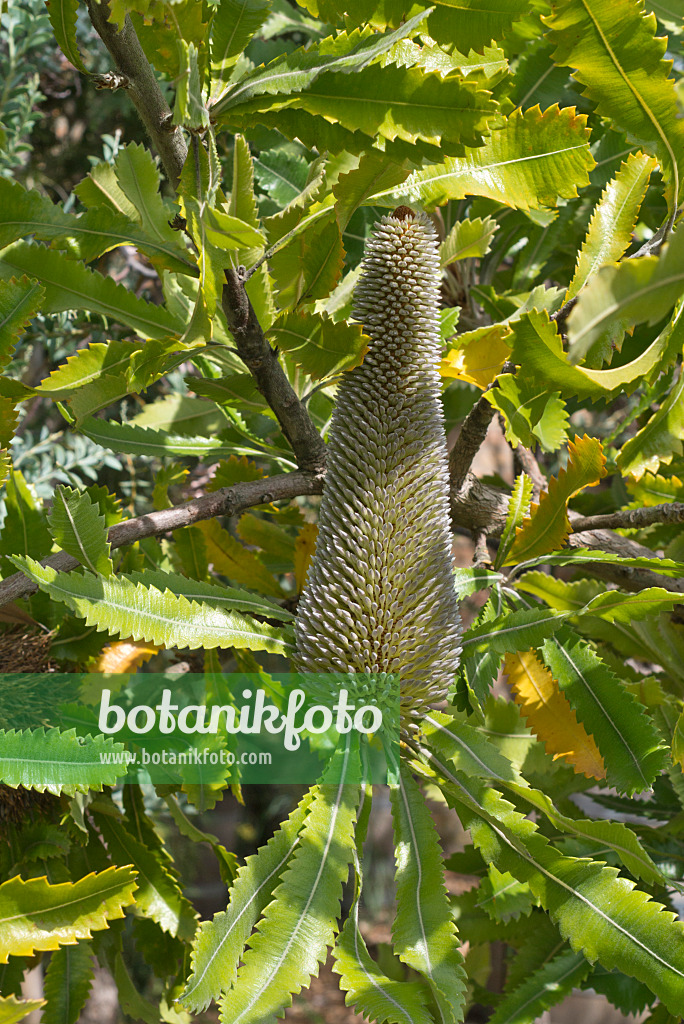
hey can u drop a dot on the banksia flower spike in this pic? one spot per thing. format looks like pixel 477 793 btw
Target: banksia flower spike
pixel 380 596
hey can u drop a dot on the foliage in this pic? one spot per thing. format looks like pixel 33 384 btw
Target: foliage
pixel 545 141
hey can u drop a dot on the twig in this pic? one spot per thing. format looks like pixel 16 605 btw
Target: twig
pixel 564 312
pixel 262 362
pixel 229 501
pixel 142 87
pixel 634 518
pixel 473 433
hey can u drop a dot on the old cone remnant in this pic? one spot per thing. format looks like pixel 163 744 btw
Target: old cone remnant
pixel 379 596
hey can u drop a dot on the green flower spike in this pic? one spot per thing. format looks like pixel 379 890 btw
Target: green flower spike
pixel 379 596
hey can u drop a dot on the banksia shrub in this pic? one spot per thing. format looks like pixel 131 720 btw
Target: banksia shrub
pixel 379 596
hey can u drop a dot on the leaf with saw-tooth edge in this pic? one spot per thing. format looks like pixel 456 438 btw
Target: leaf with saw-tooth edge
pixel 373 173
pixel 612 222
pixel 474 23
pixel 318 345
pixel 53 761
pixel 626 737
pixel 467 239
pixel 612 46
pixel 19 302
pixel 310 265
pixel 424 932
pixel 518 508
pixel 556 163
pixel 78 527
pixel 546 987
pixel 299 924
pixel 660 439
pixel 13 1010
pixel 219 944
pixel 37 916
pixel 62 15
pixel 231 559
pixel 145 613
pixel 538 346
pixel 232 26
pixel 87 365
pixel 67 984
pixel 479 355
pixel 550 716
pixel 25 527
pixel 548 525
pixel 70 285
pixel 531 414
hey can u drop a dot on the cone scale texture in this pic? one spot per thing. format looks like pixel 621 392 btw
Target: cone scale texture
pixel 379 596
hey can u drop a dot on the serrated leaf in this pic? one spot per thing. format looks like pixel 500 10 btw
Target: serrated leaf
pixel 468 239
pixel 67 984
pixel 510 632
pixel 374 172
pixel 231 559
pixel 612 46
pixel 232 26
pixel 219 944
pixel 624 294
pixel 626 737
pixel 78 527
pixel 189 109
pixel 101 188
pixel 13 1010
pixel 538 346
pixel 144 613
pixel 87 365
pixel 24 529
pixel 424 933
pixel 158 895
pixel 612 222
pixel 556 163
pixel 545 988
pixel 474 23
pixel 221 595
pixel 84 237
pixel 503 897
pixel 660 439
pixel 479 355
pixel 305 546
pixel 548 525
pixel 550 716
pixel 62 15
pixel 122 656
pixel 318 345
pixel 531 415
pixel 36 916
pixel 138 179
pixel 70 285
pixel 132 439
pixel 198 188
pixel 19 302
pixel 52 761
pixel 297 926
pixel 294 72
pixel 310 265
pixel 518 509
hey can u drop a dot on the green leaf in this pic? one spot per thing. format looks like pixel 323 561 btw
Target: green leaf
pixel 627 738
pixel 618 60
pixel 294 72
pixel 119 605
pixel 242 203
pixel 232 598
pixel 89 364
pixel 53 761
pixel 532 415
pixel 62 15
pixel 474 23
pixel 138 180
pixel 613 220
pixel 518 509
pixel 87 236
pixel 374 172
pixel 299 924
pixel 511 632
pixel 198 187
pixel 503 897
pixel 226 858
pixel 467 239
pixel 36 916
pixel 19 302
pixel 318 345
pixel 555 164
pixel 310 265
pixel 538 347
pixel 67 984
pixel 78 527
pixel 25 529
pixel 231 559
pixel 547 986
pixel 13 1010
pixel 660 439
pixel 624 294
pixel 665 566
pixel 190 109
pixel 135 440
pixel 232 26
pixel 424 933
pixel 158 895
pixel 219 944
pixel 70 285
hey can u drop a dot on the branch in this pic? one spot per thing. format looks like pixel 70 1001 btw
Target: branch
pixel 633 518
pixel 262 362
pixel 143 88
pixel 477 507
pixel 229 501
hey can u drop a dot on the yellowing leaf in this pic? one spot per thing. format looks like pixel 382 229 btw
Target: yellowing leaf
pixel 123 656
pixel 548 525
pixel 304 549
pixel 550 716
pixel 231 559
pixel 480 355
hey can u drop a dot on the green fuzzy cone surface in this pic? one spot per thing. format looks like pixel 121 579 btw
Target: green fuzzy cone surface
pixel 379 596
